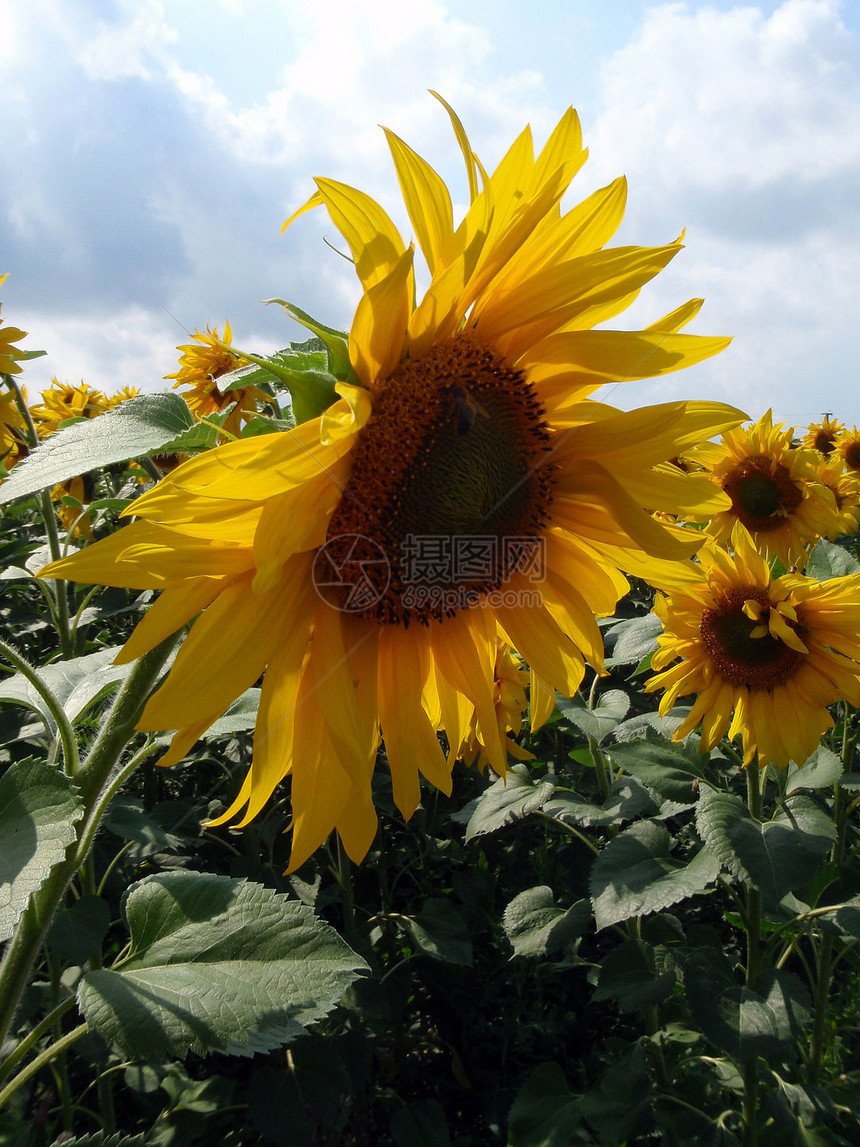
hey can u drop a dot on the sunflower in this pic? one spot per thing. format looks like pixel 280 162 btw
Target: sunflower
pixel 774 490
pixel 821 436
pixel 765 656
pixel 204 361
pixel 9 354
pixel 73 517
pixel 62 401
pixel 848 446
pixel 510 679
pixel 123 395
pixel 13 429
pixel 844 485
pixel 461 490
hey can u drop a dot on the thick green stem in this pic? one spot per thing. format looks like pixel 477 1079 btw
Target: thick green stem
pixel 117 730
pixel 824 970
pixel 35 1065
pixel 753 925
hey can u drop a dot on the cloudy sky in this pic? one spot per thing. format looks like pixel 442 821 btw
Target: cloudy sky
pixel 152 149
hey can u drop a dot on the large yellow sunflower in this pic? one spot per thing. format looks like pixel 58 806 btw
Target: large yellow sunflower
pixel 774 490
pixel 765 656
pixel 202 362
pixel 462 489
pixel 62 401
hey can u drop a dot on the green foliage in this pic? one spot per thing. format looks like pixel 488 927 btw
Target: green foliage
pixel 39 808
pixel 215 963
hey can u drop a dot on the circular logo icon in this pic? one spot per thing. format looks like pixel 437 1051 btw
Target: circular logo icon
pixel 351 573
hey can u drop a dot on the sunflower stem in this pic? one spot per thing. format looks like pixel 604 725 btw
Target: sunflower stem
pixel 753 926
pixel 71 757
pixel 93 776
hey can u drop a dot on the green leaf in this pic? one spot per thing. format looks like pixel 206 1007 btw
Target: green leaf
pixel 77 684
pixel 507 799
pixel 636 975
pixel 420 1124
pixel 141 425
pixel 239 718
pixel 634 874
pixel 625 800
pixel 39 808
pixel 788 998
pixel 78 931
pixel 828 561
pixel 670 770
pixel 127 820
pixel 336 342
pixel 215 963
pixel 778 857
pixel 439 930
pixel 546 1113
pixel 634 639
pixel 198 436
pixel 598 722
pixel 739 1021
pixel 820 771
pixel 536 926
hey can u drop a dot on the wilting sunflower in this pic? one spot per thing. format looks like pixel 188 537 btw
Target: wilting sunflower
pixel 62 401
pixel 774 490
pixel 845 487
pixel 462 489
pixel 9 354
pixel 204 361
pixel 821 436
pixel 848 446
pixel 765 656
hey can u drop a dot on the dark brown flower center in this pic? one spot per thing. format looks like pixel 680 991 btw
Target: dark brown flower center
pixel 852 455
pixel 763 493
pixel 757 662
pixel 824 440
pixel 449 489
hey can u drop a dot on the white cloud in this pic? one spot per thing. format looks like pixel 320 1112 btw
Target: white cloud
pixel 746 128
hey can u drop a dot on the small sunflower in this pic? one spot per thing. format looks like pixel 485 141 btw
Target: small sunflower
pixel 62 401
pixel 821 436
pixel 462 491
pixel 123 395
pixel 13 430
pixel 9 354
pixel 848 447
pixel 774 490
pixel 845 488
pixel 510 678
pixel 72 517
pixel 204 361
pixel 765 656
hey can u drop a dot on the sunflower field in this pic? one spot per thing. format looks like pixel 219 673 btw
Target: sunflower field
pixel 403 746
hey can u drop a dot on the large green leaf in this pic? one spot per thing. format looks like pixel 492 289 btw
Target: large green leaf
pixel 507 799
pixel 821 771
pixel 535 925
pixel 141 425
pixel 598 722
pixel 636 975
pixel 739 1021
pixel 546 1113
pixel 39 808
pixel 440 930
pixel 216 963
pixel 672 771
pixel 777 857
pixel 77 684
pixel 625 800
pixel 828 561
pixel 634 874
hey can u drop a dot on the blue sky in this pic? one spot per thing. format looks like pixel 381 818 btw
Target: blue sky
pixel 152 149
